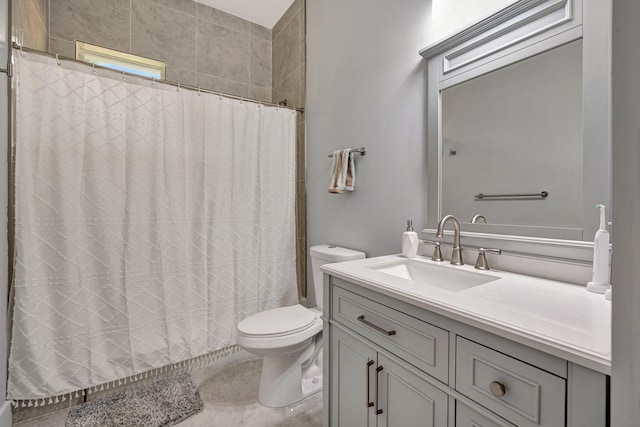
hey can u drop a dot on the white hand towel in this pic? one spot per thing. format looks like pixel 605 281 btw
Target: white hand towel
pixel 339 171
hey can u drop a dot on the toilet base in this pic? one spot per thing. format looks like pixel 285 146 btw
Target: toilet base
pixel 285 380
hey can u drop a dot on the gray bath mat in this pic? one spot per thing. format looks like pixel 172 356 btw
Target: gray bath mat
pixel 163 403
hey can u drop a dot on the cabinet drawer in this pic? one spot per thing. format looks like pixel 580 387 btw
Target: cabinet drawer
pixel 467 417
pixel 423 345
pixel 518 392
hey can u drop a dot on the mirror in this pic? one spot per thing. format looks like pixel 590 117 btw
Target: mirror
pixel 532 128
pixel 519 106
pixel 512 149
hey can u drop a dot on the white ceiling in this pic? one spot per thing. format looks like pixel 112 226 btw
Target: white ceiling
pixel 263 12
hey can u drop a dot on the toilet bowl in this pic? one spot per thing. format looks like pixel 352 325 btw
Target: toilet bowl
pixel 290 339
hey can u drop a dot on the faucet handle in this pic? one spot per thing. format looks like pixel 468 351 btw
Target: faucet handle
pixel 437 253
pixel 481 262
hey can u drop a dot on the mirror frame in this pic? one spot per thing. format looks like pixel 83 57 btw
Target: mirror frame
pixel 522 30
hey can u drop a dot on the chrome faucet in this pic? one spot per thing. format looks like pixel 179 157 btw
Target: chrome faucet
pixel 456 255
pixel 478 218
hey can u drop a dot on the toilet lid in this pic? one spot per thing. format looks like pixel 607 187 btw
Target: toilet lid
pixel 277 321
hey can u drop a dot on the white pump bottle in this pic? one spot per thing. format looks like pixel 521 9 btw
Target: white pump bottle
pixel 409 241
pixel 601 270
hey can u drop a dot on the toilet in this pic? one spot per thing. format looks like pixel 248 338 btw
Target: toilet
pixel 290 339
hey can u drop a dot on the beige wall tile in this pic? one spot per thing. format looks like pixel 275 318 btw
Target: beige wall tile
pixel 223 19
pixel 223 52
pixel 286 17
pixel 218 84
pixel 302 17
pixel 260 32
pixel 260 93
pixel 166 30
pixel 300 153
pixel 184 6
pixel 260 63
pixel 163 34
pixel 62 47
pixel 180 75
pixel 105 23
pixel 289 89
pixel 302 72
pixel 286 54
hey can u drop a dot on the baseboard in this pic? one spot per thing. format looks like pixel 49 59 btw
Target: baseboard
pixel 5 414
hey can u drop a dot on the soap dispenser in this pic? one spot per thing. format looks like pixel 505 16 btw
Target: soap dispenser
pixel 601 271
pixel 409 241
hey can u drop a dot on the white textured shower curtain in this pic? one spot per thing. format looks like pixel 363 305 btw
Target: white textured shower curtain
pixel 149 221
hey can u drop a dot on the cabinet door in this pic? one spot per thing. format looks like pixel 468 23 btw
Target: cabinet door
pixel 406 399
pixel 352 381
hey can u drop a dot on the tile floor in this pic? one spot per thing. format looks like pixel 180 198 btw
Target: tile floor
pixel 228 390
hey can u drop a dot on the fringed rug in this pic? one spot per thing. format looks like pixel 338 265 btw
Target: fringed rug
pixel 164 403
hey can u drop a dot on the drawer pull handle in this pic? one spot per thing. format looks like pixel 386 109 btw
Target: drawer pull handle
pixel 497 389
pixel 376 327
pixel 369 403
pixel 378 369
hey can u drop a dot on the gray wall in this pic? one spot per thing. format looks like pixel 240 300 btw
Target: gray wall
pixel 366 86
pixel 625 279
pixel 189 37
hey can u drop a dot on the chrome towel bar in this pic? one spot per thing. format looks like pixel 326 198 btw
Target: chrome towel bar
pixel 542 195
pixel 361 150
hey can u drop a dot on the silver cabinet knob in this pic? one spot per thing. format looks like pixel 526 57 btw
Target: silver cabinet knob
pixel 497 389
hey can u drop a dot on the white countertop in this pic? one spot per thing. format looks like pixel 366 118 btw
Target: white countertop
pixel 555 317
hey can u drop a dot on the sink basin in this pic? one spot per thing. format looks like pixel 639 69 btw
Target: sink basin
pixel 439 276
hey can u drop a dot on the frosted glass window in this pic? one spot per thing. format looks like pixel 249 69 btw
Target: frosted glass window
pixel 120 61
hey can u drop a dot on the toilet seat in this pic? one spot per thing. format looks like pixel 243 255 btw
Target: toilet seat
pixel 273 330
pixel 277 322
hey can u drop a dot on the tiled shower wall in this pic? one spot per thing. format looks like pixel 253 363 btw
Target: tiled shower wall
pixel 289 82
pixel 201 46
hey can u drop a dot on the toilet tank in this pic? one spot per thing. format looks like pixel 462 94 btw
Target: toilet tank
pixel 326 254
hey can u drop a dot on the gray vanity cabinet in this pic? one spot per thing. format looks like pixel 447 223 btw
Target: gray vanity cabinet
pixel 352 363
pixel 369 388
pixel 407 399
pixel 391 363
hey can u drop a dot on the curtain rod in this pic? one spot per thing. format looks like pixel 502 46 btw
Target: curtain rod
pixel 175 84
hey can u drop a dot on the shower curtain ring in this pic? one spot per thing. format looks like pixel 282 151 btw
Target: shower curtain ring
pixel 178 88
pixel 153 81
pixel 124 76
pixel 58 60
pixel 93 69
pixel 199 91
pixel 21 51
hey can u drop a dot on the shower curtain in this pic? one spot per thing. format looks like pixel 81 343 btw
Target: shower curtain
pixel 149 220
